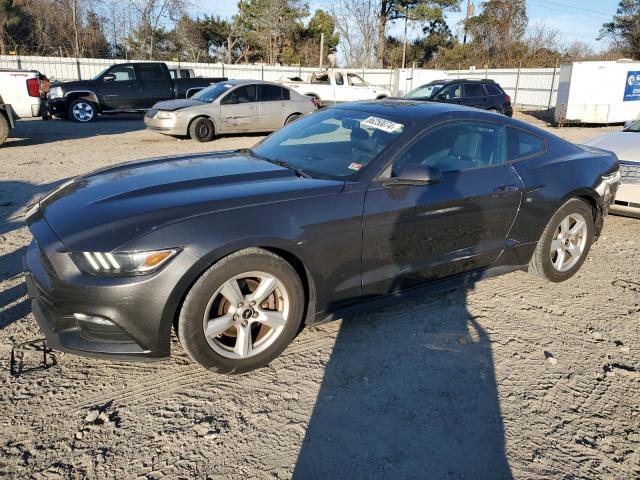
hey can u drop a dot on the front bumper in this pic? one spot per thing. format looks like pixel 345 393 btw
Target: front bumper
pixel 57 106
pixel 168 126
pixel 627 201
pixel 105 317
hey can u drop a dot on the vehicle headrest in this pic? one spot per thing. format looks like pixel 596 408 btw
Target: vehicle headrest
pixel 467 145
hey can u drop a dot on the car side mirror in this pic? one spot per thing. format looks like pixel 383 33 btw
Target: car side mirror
pixel 418 175
pixel 109 77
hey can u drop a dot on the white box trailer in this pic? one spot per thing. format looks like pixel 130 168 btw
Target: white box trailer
pixel 598 92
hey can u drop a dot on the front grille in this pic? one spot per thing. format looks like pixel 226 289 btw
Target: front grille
pixel 151 112
pixel 630 174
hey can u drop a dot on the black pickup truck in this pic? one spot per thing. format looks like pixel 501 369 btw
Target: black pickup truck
pixel 125 87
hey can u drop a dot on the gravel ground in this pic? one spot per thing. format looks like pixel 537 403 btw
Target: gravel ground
pixel 512 377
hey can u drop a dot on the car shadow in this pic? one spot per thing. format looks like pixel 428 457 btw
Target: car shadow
pixel 39 132
pixel 15 196
pixel 409 391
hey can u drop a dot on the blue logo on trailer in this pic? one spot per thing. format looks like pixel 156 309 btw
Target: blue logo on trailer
pixel 632 87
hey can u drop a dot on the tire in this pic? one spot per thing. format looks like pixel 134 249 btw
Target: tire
pixel 82 111
pixel 4 128
pixel 547 263
pixel 292 118
pixel 230 316
pixel 202 130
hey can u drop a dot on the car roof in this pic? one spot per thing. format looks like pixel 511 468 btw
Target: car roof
pixel 419 112
pixel 239 82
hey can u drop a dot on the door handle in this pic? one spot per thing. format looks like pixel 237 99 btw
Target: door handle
pixel 506 188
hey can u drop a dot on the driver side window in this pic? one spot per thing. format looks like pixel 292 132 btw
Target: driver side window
pixel 450 92
pixel 244 94
pixel 455 147
pixel 123 74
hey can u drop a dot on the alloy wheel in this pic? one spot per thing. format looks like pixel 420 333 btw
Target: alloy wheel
pixel 569 242
pixel 246 315
pixel 83 112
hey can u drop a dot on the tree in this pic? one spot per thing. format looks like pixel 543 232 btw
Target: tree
pixel 303 44
pixel 500 26
pixel 356 23
pixel 268 22
pixel 624 30
pixel 9 16
pixel 420 10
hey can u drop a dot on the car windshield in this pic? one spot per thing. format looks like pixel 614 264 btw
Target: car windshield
pixel 332 143
pixel 212 92
pixel 424 91
pixel 634 127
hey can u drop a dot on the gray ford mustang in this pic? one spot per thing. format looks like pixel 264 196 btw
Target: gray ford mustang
pixel 361 202
pixel 234 106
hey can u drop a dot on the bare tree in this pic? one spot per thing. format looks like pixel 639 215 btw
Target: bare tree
pixel 357 23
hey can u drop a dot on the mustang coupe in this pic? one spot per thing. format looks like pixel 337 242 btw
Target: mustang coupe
pixel 359 203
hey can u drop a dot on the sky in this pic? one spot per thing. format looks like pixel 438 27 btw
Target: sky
pixel 576 19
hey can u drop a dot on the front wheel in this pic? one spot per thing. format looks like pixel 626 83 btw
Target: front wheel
pixel 565 242
pixel 242 312
pixel 202 130
pixel 82 111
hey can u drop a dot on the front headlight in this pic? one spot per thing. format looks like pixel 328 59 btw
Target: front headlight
pixel 55 92
pixel 164 115
pixel 122 263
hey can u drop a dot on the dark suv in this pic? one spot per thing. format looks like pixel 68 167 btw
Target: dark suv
pixel 485 94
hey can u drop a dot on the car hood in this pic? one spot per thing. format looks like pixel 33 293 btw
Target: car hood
pixel 626 145
pixel 108 208
pixel 172 105
pixel 74 85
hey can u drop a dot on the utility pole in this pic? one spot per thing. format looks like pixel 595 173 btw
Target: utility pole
pixel 74 13
pixel 470 11
pixel 321 48
pixel 404 42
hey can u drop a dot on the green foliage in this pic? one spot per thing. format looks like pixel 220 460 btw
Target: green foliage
pixel 624 29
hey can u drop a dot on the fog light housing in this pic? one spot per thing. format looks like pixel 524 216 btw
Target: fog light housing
pixel 81 317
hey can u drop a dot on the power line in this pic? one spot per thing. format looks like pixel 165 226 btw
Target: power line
pixel 575 8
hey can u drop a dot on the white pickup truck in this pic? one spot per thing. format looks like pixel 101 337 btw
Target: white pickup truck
pixel 336 86
pixel 20 97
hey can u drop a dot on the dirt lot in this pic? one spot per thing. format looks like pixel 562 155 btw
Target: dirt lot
pixel 513 377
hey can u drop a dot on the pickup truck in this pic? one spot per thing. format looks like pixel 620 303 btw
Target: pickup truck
pixel 336 86
pixel 121 88
pixel 20 97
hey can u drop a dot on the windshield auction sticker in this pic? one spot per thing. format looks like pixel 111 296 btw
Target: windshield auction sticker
pixel 382 124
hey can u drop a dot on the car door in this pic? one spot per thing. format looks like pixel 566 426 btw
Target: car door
pixel 118 88
pixel 451 93
pixel 416 233
pixel 357 88
pixel 475 96
pixel 155 84
pixel 239 110
pixel 273 108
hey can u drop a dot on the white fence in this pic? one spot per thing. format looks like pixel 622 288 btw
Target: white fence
pixel 534 87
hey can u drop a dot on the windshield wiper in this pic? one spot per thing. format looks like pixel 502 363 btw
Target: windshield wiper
pixel 280 163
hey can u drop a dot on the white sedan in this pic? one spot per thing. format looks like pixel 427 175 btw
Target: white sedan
pixel 626 145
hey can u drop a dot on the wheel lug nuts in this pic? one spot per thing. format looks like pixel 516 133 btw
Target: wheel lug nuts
pixel 244 323
pixel 252 303
pixel 255 314
pixel 240 305
pixel 236 316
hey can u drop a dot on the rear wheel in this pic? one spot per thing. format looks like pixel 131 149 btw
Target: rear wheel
pixel 82 111
pixel 202 130
pixel 565 242
pixel 4 128
pixel 242 312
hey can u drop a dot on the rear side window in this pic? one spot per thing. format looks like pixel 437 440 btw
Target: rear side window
pixel 522 144
pixel 286 94
pixel 493 90
pixel 270 93
pixel 473 90
pixel 151 73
